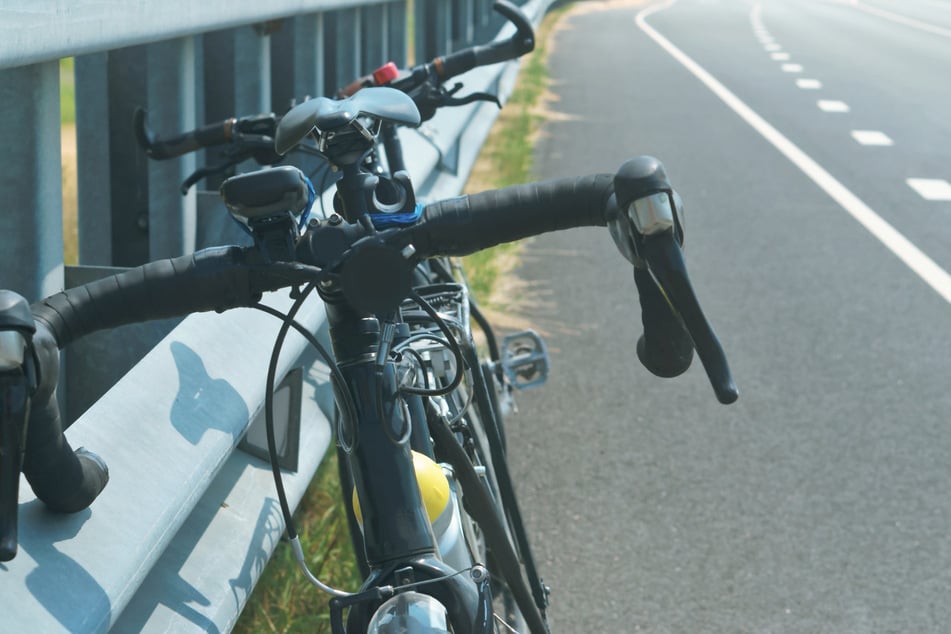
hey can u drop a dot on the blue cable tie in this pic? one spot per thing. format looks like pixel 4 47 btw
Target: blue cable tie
pixel 398 219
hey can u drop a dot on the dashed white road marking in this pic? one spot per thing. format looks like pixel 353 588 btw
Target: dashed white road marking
pixel 903 248
pixel 780 57
pixel 931 188
pixel 871 137
pixel 809 84
pixel 832 105
pixel 792 68
pixel 773 47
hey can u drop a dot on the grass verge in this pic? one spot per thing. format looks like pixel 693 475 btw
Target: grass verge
pixel 506 158
pixel 283 601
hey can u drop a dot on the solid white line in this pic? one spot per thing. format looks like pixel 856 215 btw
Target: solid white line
pixel 831 105
pixel 792 68
pixel 931 188
pixel 904 249
pixel 871 137
pixel 809 84
pixel 902 19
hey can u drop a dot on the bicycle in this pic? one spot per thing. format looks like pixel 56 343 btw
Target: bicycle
pixel 399 385
pixel 240 139
pixel 521 360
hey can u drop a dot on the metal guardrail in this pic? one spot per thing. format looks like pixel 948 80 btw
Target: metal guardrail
pixel 187 63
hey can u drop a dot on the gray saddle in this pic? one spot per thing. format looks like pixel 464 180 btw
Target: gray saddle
pixel 325 116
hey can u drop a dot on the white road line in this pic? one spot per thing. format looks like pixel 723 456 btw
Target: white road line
pixel 773 47
pixel 931 188
pixel 780 57
pixel 809 84
pixel 901 19
pixel 790 68
pixel 871 137
pixel 904 249
pixel 832 105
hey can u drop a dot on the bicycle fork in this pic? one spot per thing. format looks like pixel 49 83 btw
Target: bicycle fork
pixel 398 540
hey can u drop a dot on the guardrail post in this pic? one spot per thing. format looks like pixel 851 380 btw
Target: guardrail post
pixel 394 19
pixel 171 106
pixel 94 161
pixel 341 32
pixel 462 24
pixel 236 75
pixel 31 187
pixel 297 62
pixel 433 29
pixel 111 169
pixel 374 35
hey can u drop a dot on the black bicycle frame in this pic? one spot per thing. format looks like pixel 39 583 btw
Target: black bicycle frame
pixel 396 529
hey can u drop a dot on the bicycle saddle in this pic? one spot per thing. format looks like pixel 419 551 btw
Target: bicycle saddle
pixel 329 115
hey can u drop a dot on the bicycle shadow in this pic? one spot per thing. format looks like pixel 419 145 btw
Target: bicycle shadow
pixel 268 531
pixel 171 586
pixel 45 580
pixel 203 402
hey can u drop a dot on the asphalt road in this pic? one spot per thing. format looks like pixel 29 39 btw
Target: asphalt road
pixel 821 500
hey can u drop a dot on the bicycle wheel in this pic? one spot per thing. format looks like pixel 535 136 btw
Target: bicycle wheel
pixel 475 439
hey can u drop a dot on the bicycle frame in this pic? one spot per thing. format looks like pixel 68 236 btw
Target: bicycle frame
pixel 396 529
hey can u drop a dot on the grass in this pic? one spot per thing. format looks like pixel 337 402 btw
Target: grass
pixel 283 601
pixel 67 105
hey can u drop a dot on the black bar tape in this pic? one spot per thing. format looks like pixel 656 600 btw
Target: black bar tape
pixel 211 134
pixel 665 348
pixel 456 63
pixel 213 279
pixel 464 225
pixel 64 481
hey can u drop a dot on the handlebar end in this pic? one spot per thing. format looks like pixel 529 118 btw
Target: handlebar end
pixel 727 393
pixel 8 548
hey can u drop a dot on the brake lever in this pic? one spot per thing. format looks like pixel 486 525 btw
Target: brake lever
pixel 649 206
pixel 18 380
pixel 472 97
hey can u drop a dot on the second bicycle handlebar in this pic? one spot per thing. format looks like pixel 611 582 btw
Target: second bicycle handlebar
pixel 255 133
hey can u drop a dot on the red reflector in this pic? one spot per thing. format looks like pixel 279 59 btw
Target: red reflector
pixel 385 74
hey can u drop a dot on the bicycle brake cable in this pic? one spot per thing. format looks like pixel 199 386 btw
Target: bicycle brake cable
pixel 336 377
pixel 288 323
pixel 453 346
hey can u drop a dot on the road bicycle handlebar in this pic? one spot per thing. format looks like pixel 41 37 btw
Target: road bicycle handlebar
pixel 522 42
pixel 253 135
pixel 372 269
pixel 443 68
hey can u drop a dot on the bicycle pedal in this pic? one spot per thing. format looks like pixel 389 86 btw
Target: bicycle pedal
pixel 525 359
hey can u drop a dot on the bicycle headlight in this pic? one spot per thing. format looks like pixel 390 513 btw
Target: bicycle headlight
pixel 410 612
